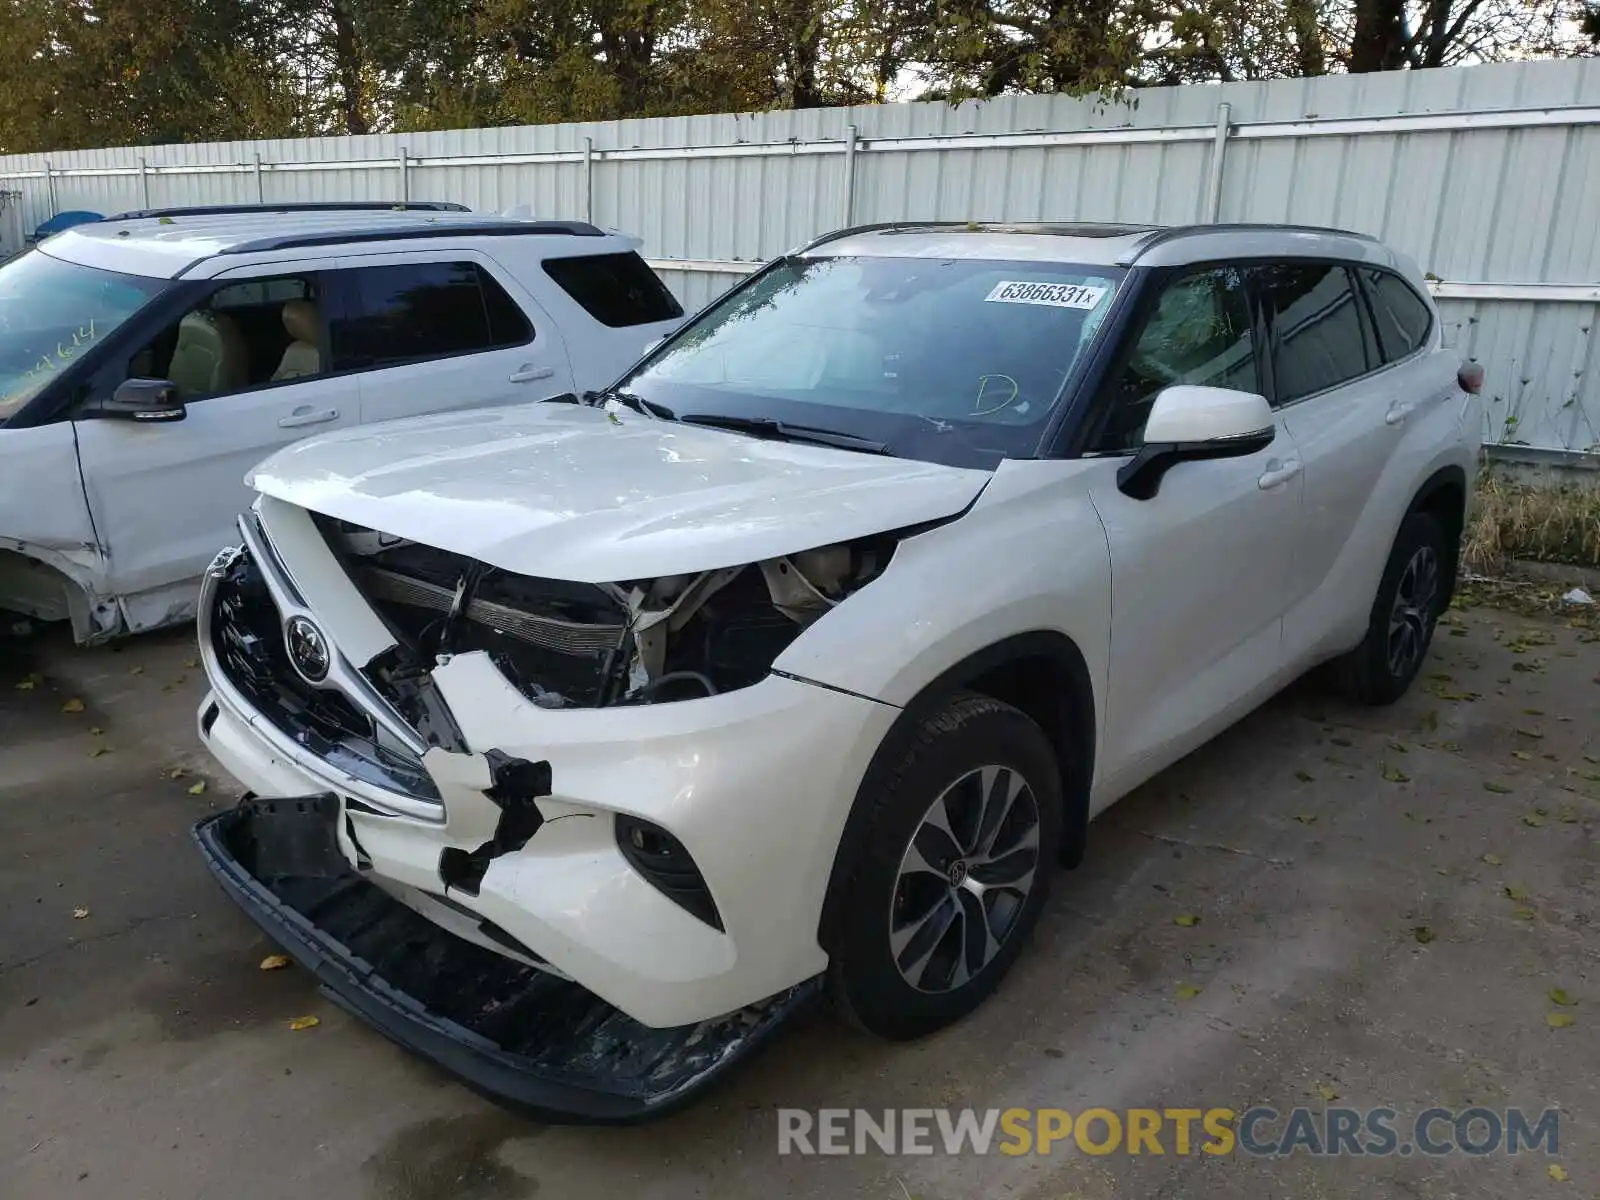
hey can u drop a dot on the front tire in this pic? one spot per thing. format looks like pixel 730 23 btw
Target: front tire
pixel 953 871
pixel 1410 598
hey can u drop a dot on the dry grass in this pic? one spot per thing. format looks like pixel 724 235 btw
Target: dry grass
pixel 1513 520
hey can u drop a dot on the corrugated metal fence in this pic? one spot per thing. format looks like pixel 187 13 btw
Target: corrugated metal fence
pixel 1489 176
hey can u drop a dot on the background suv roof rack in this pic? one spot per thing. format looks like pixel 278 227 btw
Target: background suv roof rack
pixel 205 210
pixel 500 227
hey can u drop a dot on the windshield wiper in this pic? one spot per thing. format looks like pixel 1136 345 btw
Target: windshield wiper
pixel 772 427
pixel 638 403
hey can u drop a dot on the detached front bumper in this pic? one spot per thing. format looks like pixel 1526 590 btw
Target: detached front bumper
pixel 519 1035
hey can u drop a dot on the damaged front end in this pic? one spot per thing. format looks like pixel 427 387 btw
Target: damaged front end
pixel 515 1032
pixel 578 645
pixel 380 884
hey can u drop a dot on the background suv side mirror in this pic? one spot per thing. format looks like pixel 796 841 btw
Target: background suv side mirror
pixel 1189 422
pixel 150 401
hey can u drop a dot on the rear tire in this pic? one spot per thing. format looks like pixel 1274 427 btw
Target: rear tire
pixel 1410 598
pixel 953 870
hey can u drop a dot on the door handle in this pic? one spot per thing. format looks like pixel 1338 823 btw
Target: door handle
pixel 1397 414
pixel 1278 472
pixel 528 373
pixel 305 416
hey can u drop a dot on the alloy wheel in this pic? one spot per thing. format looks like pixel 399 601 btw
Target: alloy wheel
pixel 964 879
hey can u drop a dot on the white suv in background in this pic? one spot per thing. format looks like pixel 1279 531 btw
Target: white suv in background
pixel 149 360
pixel 588 741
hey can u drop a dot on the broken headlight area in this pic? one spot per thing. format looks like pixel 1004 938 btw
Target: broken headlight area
pixel 581 645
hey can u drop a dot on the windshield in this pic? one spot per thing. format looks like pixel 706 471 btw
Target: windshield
pixel 958 361
pixel 51 312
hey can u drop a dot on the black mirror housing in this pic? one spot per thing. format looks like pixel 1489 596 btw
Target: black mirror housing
pixel 148 401
pixel 1140 477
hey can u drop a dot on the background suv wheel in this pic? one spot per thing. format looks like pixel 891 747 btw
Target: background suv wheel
pixel 959 848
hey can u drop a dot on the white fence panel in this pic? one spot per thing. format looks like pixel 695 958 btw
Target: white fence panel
pixel 1489 176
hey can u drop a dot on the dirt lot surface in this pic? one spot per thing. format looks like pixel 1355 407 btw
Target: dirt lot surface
pixel 1386 901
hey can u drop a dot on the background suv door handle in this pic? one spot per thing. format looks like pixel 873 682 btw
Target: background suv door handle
pixel 1397 413
pixel 1278 471
pixel 528 373
pixel 306 415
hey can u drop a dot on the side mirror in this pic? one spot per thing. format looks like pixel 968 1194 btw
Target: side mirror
pixel 149 401
pixel 1189 423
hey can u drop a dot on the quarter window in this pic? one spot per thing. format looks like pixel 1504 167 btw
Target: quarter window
pixel 1318 338
pixel 1199 333
pixel 615 289
pixel 1403 319
pixel 425 310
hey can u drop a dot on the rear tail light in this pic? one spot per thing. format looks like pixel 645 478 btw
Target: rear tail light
pixel 1470 377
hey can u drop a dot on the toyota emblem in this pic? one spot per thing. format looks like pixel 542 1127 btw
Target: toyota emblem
pixel 308 649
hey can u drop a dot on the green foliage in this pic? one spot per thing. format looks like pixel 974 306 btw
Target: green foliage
pixel 83 73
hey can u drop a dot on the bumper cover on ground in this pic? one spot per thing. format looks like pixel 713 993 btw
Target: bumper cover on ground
pixel 519 1035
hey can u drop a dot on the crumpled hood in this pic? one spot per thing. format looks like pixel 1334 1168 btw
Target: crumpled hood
pixel 568 492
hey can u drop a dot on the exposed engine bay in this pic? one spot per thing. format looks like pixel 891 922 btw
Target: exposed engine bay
pixel 580 645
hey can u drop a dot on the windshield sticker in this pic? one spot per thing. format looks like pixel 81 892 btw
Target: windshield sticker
pixel 1056 295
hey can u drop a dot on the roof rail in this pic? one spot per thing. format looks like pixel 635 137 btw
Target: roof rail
pixel 1173 233
pixel 209 210
pixel 1064 228
pixel 401 233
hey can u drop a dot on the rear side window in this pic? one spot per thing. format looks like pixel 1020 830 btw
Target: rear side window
pixel 1403 319
pixel 425 310
pixel 615 289
pixel 1318 337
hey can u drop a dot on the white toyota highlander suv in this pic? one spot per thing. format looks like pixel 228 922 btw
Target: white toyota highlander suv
pixel 588 741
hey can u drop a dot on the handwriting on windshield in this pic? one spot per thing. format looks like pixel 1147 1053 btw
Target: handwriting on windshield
pixel 82 337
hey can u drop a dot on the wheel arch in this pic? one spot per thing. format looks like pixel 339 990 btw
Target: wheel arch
pixel 1443 496
pixel 56 585
pixel 1042 673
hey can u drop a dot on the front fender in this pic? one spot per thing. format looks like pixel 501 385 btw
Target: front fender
pixel 1031 555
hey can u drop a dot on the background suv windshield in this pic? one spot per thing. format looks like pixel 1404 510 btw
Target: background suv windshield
pixel 51 313
pixel 957 361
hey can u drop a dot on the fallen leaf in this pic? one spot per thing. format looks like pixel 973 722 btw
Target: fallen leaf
pixel 96 731
pixel 198 788
pixel 1187 920
pixel 1326 1092
pixel 1490 785
pixel 1521 755
pixel 1557 1172
pixel 191 663
pixel 79 914
pixel 1559 996
pixel 1399 747
pixel 1188 991
pixel 1533 733
pixel 135 670
pixel 1591 776
pixel 1304 776
pixel 1560 1020
pixel 1306 818
pixel 299 1023
pixel 1458 633
pixel 1494 860
pixel 1423 934
pixel 1568 816
pixel 1430 720
pixel 176 773
pixel 274 962
pixel 99 750
pixel 1395 774
pixel 1340 741
pixel 1524 913
pixel 1516 893
pixel 72 706
pixel 25 686
pixel 1533 712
